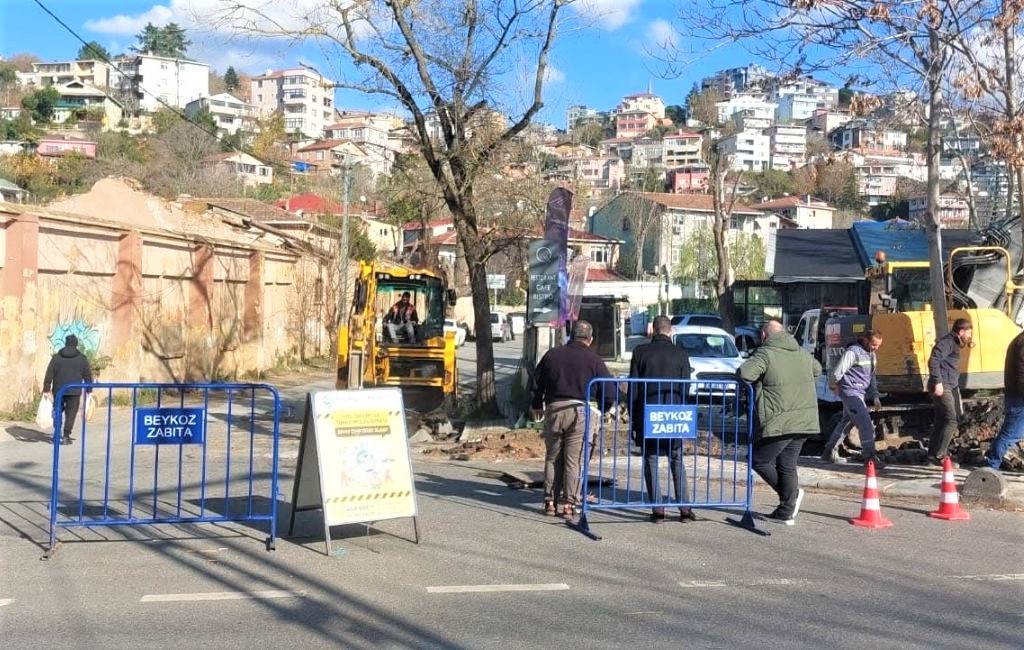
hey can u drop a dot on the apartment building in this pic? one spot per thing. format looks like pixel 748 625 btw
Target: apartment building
pixel 952 212
pixel 778 87
pixel 579 112
pixel 730 82
pixel 749 120
pixel 97 74
pixel 864 134
pixel 825 120
pixel 153 81
pixel 681 148
pixel 688 179
pixel 756 104
pixel 371 133
pixel 788 146
pixel 633 124
pixel 229 112
pixel 747 150
pixel 804 211
pixel 797 107
pixel 79 101
pixel 643 102
pixel 304 96
pixel 648 152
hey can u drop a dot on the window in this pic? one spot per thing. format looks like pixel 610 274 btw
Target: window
pixel 599 255
pixel 264 171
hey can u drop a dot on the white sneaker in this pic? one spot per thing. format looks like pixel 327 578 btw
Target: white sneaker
pixel 796 506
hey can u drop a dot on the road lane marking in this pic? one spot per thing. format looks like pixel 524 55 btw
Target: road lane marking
pixel 6 601
pixel 489 493
pixel 476 589
pixel 767 582
pixel 220 595
pixel 995 577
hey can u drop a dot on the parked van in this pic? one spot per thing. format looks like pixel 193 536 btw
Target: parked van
pixel 500 330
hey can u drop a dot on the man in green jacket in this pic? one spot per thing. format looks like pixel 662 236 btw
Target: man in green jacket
pixel 787 413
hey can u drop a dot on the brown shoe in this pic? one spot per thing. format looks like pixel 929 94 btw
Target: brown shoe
pixel 550 509
pixel 658 515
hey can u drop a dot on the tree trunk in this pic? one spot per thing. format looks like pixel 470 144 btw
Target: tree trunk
pixel 932 224
pixel 720 230
pixel 472 247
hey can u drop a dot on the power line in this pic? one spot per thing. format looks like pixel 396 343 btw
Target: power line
pixel 213 134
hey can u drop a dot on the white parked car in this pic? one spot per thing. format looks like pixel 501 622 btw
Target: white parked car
pixel 500 330
pixel 713 356
pixel 683 320
pixel 460 332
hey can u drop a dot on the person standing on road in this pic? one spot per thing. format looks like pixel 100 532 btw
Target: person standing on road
pixel 787 413
pixel 943 384
pixel 855 383
pixel 660 359
pixel 560 395
pixel 68 366
pixel 1012 430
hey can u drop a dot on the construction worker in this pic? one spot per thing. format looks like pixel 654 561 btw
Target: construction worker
pixel 943 382
pixel 854 382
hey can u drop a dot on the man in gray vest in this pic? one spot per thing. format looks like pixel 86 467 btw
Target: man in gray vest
pixel 853 381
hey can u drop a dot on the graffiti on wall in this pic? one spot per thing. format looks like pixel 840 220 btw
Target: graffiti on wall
pixel 88 335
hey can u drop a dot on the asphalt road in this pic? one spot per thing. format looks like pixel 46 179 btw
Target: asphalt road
pixel 491 571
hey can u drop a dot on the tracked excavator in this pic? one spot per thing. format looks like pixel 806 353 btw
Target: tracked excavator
pixel 983 285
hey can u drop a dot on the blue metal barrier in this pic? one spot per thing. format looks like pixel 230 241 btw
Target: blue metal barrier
pixel 710 421
pixel 187 434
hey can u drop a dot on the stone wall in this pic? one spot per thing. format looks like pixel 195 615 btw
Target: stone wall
pixel 163 305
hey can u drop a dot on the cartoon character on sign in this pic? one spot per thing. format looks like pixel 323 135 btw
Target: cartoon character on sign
pixel 364 468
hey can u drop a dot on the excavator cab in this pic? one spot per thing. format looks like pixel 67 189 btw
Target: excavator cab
pixel 899 287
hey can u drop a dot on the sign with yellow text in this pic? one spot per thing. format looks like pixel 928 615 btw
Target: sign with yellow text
pixel 354 461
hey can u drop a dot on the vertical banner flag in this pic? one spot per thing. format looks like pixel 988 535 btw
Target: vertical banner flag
pixel 556 230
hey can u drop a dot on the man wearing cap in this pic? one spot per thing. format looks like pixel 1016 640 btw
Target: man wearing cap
pixel 560 395
pixel 943 382
pixel 68 366
pixel 402 317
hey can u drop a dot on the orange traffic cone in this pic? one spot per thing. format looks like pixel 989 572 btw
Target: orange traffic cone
pixel 870 512
pixel 949 503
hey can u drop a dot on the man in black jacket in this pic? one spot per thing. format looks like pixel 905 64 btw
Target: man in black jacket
pixel 660 359
pixel 68 366
pixel 560 393
pixel 943 382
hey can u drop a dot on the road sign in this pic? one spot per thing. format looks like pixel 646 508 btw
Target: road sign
pixel 670 421
pixel 170 426
pixel 495 281
pixel 543 296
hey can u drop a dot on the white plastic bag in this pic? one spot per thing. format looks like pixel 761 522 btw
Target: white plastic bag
pixel 44 413
pixel 90 407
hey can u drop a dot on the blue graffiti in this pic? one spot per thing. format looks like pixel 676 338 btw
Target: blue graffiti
pixel 88 336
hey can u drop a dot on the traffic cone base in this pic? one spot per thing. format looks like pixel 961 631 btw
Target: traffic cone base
pixel 871 512
pixel 949 502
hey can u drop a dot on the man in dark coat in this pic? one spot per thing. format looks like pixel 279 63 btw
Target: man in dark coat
pixel 559 394
pixel 68 366
pixel 660 359
pixel 943 384
pixel 786 400
pixel 1013 404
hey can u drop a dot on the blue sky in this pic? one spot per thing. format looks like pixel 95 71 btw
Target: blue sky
pixel 604 55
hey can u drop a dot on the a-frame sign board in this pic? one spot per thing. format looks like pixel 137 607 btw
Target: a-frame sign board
pixel 354 463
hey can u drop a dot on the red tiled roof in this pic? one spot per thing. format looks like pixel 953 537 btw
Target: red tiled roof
pixel 446 239
pixel 309 202
pixel 682 133
pixel 695 202
pixel 323 144
pixel 602 275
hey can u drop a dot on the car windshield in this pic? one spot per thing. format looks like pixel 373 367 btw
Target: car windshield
pixel 709 321
pixel 495 318
pixel 713 346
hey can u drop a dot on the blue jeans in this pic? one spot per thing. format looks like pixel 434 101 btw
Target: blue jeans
pixel 1010 433
pixel 855 412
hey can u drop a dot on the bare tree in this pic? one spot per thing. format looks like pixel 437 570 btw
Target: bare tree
pixel 916 36
pixel 443 63
pixel 723 200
